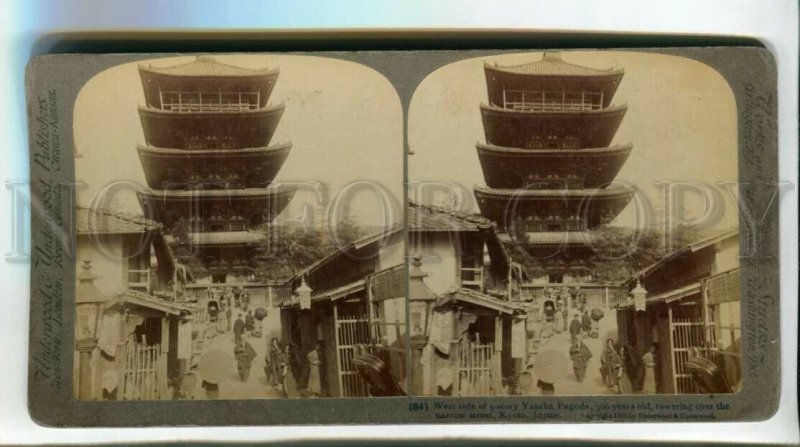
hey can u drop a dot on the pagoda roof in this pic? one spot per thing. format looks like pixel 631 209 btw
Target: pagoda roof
pixel 613 191
pixel 559 237
pixel 207 65
pixel 504 150
pixel 105 221
pixel 227 237
pixel 220 193
pixel 551 64
pixel 155 150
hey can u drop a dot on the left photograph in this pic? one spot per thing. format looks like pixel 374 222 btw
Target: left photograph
pixel 239 230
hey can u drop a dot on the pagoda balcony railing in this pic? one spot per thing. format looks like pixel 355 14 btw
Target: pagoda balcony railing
pixel 209 101
pixel 551 101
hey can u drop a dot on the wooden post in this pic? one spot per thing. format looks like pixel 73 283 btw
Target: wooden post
pixel 160 99
pixel 497 356
pixel 338 351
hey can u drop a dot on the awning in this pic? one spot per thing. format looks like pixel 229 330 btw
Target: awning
pixel 478 299
pixel 136 298
pixel 675 295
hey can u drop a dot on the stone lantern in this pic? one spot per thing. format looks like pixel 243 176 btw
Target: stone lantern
pixel 88 304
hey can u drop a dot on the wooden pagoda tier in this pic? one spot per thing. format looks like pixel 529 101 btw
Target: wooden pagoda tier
pixel 210 130
pixel 205 84
pixel 551 209
pixel 227 251
pixel 218 209
pixel 551 129
pixel 212 168
pixel 510 168
pixel 551 84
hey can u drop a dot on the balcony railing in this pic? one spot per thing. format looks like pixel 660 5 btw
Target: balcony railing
pixel 209 101
pixel 551 101
pixel 279 296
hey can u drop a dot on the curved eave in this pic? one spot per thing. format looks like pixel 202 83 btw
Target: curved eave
pixel 160 152
pixel 591 72
pixel 273 191
pixel 169 72
pixel 615 150
pixel 619 192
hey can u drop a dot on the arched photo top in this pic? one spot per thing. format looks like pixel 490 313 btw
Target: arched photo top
pixel 342 121
pixel 677 115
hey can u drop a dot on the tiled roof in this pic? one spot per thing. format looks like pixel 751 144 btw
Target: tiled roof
pixel 104 221
pixel 226 237
pixel 479 299
pixel 436 218
pixel 137 298
pixel 206 66
pixel 551 64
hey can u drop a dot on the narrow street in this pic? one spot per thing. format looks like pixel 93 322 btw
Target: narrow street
pixel 256 386
pixel 593 382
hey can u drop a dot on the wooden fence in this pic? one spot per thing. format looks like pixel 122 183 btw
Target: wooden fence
pixel 144 372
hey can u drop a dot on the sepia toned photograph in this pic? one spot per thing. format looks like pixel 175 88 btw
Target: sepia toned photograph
pixel 238 232
pixel 573 228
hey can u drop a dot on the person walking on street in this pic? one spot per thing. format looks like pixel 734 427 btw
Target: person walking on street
pixel 586 322
pixel 610 364
pixel 245 354
pixel 249 323
pixel 238 329
pixel 580 355
pixel 575 329
pixel 565 317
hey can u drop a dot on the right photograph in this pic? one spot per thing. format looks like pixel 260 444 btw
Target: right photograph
pixel 573 227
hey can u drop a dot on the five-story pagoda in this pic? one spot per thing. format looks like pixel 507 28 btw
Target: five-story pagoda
pixel 208 160
pixel 548 161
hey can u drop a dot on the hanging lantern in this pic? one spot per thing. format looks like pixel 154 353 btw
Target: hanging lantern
pixel 304 295
pixel 639 295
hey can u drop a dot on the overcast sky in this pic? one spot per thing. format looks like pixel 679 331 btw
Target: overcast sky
pixel 681 120
pixel 344 120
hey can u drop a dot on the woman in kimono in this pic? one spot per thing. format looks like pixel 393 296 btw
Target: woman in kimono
pixel 272 368
pixel 314 363
pixel 649 361
pixel 610 364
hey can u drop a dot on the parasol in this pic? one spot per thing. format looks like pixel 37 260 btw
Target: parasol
pixel 597 314
pixel 215 366
pixel 260 313
pixel 550 366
